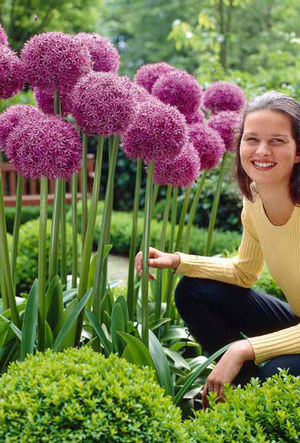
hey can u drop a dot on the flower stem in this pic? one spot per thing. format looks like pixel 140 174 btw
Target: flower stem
pixel 84 185
pixel 16 229
pixel 42 261
pixel 56 217
pixel 173 219
pixel 182 218
pixel 74 230
pixel 63 235
pixel 133 240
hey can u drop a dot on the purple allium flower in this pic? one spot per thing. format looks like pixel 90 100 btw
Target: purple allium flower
pixel 11 117
pixel 55 61
pixel 224 96
pixel 3 36
pixel 179 89
pixel 102 104
pixel 157 132
pixel 45 101
pixel 227 124
pixel 196 117
pixel 138 93
pixel 12 78
pixel 147 75
pixel 45 146
pixel 183 171
pixel 208 144
pixel 105 56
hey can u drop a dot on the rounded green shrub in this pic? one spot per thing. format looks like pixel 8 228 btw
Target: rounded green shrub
pixel 267 413
pixel 79 396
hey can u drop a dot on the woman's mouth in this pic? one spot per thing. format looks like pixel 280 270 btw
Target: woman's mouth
pixel 263 166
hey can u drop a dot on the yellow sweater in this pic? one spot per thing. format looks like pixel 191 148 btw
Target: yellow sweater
pixel 279 247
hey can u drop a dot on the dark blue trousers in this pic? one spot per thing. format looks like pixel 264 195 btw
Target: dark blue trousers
pixel 218 313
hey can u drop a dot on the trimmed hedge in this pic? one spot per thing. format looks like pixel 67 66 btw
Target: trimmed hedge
pixel 28 213
pixel 79 396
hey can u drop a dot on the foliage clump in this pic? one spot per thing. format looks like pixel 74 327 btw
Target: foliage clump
pixel 78 395
pixel 269 413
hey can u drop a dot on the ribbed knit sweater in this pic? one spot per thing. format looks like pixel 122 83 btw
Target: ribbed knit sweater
pixel 279 247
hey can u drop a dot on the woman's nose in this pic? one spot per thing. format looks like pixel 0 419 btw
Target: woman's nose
pixel 263 148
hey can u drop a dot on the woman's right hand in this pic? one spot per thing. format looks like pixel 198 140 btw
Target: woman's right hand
pixel 157 259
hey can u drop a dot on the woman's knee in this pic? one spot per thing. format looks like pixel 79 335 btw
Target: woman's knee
pixel 192 290
pixel 290 362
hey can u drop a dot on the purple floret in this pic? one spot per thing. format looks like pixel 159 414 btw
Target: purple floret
pixel 47 147
pixel 208 144
pixel 55 61
pixel 11 117
pixel 147 75
pixel 3 36
pixel 105 56
pixel 182 172
pixel 224 96
pixel 45 101
pixel 102 104
pixel 196 117
pixel 179 89
pixel 157 132
pixel 227 124
pixel 12 78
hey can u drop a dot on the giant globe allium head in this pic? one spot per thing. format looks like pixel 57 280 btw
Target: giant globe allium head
pixel 105 56
pixel 157 132
pixel 224 96
pixel 45 101
pixel 227 124
pixel 180 89
pixel 55 61
pixel 181 172
pixel 12 117
pixel 138 93
pixel 102 104
pixel 12 79
pixel 3 36
pixel 147 75
pixel 208 144
pixel 195 117
pixel 47 147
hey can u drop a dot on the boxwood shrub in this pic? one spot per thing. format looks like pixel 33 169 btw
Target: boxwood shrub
pixel 269 413
pixel 79 396
pixel 28 213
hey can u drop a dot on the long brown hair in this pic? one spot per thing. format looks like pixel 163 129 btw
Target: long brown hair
pixel 277 102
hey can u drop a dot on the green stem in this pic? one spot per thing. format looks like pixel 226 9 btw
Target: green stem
pixel 182 218
pixel 84 185
pixel 215 205
pixel 63 236
pixel 173 219
pixel 16 229
pixel 5 304
pixel 74 230
pixel 133 241
pixel 42 261
pixel 154 197
pixel 56 217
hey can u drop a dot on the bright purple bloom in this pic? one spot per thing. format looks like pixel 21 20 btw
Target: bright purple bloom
pixel 12 78
pixel 157 132
pixel 3 36
pixel 11 117
pixel 49 146
pixel 224 96
pixel 147 75
pixel 138 93
pixel 179 89
pixel 183 171
pixel 55 61
pixel 102 104
pixel 105 56
pixel 208 144
pixel 196 117
pixel 227 124
pixel 45 101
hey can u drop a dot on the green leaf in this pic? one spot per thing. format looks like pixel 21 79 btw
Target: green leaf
pixel 178 360
pixel 136 352
pixel 30 322
pixel 13 327
pixel 49 293
pixel 3 333
pixel 56 314
pixel 117 325
pixel 99 331
pixel 122 302
pixel 67 327
pixel 69 295
pixel 48 336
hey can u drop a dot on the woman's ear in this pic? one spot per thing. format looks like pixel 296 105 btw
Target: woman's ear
pixel 297 158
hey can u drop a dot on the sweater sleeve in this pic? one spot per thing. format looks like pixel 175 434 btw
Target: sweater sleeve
pixel 241 270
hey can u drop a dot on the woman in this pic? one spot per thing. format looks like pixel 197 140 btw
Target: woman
pixel 214 297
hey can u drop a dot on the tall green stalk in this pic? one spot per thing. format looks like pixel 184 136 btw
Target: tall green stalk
pixel 84 185
pixel 42 262
pixel 173 219
pixel 63 228
pixel 182 218
pixel 131 300
pixel 74 230
pixel 16 229
pixel 5 304
pixel 214 210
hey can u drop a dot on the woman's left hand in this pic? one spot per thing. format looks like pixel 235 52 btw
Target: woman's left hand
pixel 227 369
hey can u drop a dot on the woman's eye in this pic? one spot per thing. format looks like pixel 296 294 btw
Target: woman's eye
pixel 251 139
pixel 276 140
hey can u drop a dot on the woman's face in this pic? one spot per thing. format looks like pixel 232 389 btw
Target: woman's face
pixel 268 148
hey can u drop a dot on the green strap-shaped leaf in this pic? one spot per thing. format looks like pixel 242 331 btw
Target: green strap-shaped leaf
pixel 122 302
pixel 59 341
pixel 99 331
pixel 136 352
pixel 30 322
pixel 13 327
pixel 117 325
pixel 49 293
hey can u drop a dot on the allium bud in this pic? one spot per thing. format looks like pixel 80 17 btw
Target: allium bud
pixel 183 171
pixel 3 36
pixel 147 75
pixel 224 96
pixel 102 104
pixel 157 132
pixel 45 101
pixel 179 89
pixel 208 144
pixel 196 117
pixel 55 61
pixel 11 117
pixel 12 78
pixel 105 56
pixel 47 147
pixel 227 124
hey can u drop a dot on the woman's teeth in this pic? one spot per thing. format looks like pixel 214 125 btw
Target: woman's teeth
pixel 263 165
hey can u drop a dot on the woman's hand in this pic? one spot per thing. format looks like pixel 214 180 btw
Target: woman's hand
pixel 157 259
pixel 227 369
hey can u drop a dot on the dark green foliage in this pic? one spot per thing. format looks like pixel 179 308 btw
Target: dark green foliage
pixel 78 395
pixel 269 413
pixel 28 213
